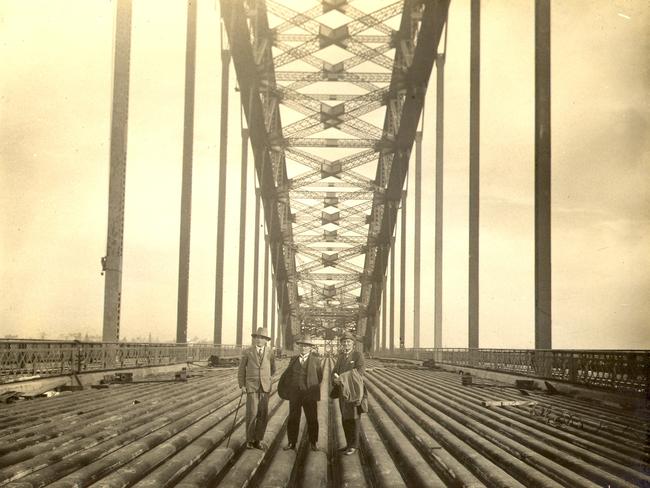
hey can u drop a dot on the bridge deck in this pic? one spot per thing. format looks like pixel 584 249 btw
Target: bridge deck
pixel 424 428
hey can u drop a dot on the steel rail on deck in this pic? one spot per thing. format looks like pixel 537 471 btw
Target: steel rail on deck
pixel 620 371
pixel 27 359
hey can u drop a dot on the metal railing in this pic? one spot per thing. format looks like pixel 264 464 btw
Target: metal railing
pixel 621 371
pixel 25 359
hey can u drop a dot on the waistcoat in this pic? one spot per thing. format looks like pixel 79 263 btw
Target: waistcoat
pixel 299 375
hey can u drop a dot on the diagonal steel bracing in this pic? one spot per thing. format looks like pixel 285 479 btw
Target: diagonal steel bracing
pixel 332 94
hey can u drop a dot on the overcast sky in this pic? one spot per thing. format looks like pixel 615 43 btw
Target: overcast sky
pixel 55 104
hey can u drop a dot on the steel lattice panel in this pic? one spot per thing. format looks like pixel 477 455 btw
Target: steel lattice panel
pixel 339 86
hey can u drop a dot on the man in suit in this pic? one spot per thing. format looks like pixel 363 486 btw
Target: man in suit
pixel 301 382
pixel 347 374
pixel 256 367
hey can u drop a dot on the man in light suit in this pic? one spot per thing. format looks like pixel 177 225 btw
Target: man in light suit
pixel 256 367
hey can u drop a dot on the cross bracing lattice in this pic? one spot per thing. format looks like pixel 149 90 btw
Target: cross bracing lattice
pixel 332 91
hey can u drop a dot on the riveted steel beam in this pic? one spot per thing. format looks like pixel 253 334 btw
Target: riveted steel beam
pixel 326 221
pixel 186 186
pixel 112 261
pixel 543 282
pixel 256 80
pixel 422 24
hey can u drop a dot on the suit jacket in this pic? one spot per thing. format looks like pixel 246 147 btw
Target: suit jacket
pixel 353 361
pixel 254 374
pixel 345 364
pixel 314 377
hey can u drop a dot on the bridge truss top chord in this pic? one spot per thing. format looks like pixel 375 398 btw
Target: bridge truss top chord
pixel 337 90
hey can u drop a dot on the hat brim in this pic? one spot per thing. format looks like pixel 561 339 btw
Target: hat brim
pixel 306 343
pixel 262 336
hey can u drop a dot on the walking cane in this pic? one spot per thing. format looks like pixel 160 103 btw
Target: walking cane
pixel 235 419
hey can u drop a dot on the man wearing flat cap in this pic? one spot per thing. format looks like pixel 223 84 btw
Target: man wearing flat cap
pixel 256 367
pixel 300 384
pixel 347 378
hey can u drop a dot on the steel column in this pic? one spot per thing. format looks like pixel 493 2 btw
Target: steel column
pixel 256 258
pixel 391 333
pixel 221 213
pixel 242 235
pixel 439 213
pixel 273 311
pixel 543 282
pixel 279 337
pixel 375 338
pixel 112 262
pixel 267 251
pixel 383 314
pixel 417 238
pixel 186 189
pixel 474 172
pixel 402 276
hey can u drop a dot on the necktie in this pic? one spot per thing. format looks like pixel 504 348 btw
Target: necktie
pixel 259 353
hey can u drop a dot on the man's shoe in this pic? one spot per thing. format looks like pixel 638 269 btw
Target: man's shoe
pixel 260 445
pixel 314 446
pixel 350 451
pixel 290 447
pixel 250 445
pixel 343 449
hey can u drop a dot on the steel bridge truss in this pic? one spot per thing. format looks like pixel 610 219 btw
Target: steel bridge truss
pixel 332 96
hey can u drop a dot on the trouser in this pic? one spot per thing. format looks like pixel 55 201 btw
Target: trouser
pixel 257 410
pixel 351 430
pixel 309 406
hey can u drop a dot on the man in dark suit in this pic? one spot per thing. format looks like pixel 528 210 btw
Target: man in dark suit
pixel 347 377
pixel 256 367
pixel 301 384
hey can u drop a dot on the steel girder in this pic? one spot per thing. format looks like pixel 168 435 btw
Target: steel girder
pixel 330 226
pixel 248 36
pixel 420 31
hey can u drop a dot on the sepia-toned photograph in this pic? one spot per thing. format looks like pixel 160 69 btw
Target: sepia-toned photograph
pixel 324 243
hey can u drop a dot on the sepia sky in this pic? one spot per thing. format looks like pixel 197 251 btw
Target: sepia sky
pixel 55 105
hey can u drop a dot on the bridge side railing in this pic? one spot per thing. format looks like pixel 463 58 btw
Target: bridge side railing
pixel 623 371
pixel 23 359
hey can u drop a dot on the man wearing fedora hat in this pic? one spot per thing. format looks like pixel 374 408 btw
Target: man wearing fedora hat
pixel 347 378
pixel 256 367
pixel 300 384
